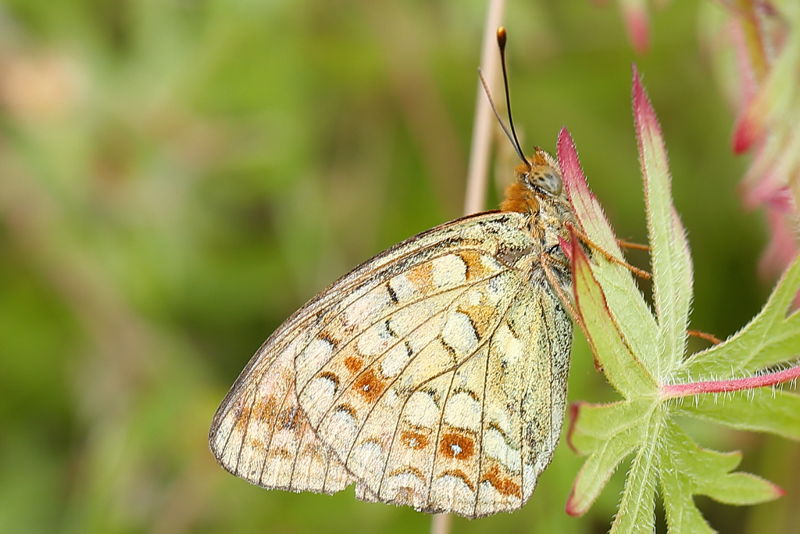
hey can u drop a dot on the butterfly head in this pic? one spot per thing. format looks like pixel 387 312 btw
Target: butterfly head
pixel 542 177
pixel 537 182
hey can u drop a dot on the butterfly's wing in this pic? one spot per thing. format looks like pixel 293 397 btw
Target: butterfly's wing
pixel 440 382
pixel 471 437
pixel 259 432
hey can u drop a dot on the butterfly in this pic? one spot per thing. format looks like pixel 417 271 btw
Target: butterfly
pixel 432 375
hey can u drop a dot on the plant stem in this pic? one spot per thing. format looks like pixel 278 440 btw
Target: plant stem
pixel 475 197
pixel 721 386
pixel 441 524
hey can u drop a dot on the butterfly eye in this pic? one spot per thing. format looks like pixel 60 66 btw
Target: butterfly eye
pixel 550 182
pixel 546 181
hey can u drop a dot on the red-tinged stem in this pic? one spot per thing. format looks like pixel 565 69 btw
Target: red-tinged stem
pixel 721 386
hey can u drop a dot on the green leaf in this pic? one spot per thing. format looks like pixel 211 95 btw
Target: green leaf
pixel 677 488
pixel 760 410
pixel 694 470
pixel 630 310
pixel 770 338
pixel 643 358
pixel 669 249
pixel 593 424
pixel 637 508
pixel 610 433
pixel 612 351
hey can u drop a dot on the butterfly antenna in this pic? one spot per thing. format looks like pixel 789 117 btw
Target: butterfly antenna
pixel 501 44
pixel 494 108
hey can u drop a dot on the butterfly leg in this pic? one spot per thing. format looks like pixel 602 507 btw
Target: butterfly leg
pixel 607 255
pixel 631 245
pixel 711 338
pixel 547 263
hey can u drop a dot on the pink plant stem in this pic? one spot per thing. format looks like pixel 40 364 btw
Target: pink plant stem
pixel 721 386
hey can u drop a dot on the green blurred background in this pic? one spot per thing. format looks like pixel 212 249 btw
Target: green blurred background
pixel 176 177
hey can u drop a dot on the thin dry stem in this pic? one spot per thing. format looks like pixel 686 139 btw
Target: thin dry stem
pixel 631 245
pixel 441 524
pixel 481 134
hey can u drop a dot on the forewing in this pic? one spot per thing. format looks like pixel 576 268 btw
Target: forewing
pixel 443 388
pixel 259 432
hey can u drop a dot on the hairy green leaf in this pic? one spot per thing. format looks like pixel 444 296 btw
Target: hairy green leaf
pixel 622 367
pixel 672 266
pixel 630 310
pixel 770 338
pixel 643 358
pixel 760 410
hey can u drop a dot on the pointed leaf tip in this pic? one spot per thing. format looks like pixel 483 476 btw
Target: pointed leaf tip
pixel 670 258
pixel 643 113
pixel 779 491
pixel 574 179
pixel 578 192
pixel 746 132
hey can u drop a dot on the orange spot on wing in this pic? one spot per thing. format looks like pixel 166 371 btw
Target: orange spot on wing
pixel 422 276
pixel 475 267
pixel 504 485
pixel 256 443
pixel 290 418
pixel 353 363
pixel 413 440
pixel 456 446
pixel 370 386
pixel 265 410
pixel 242 415
pixel 519 198
pixel 480 315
